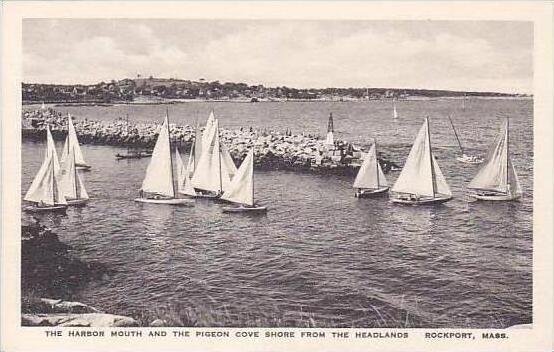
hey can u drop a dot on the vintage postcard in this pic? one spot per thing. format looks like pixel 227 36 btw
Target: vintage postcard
pixel 269 176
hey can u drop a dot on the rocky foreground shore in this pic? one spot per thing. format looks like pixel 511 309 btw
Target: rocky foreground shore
pixel 273 150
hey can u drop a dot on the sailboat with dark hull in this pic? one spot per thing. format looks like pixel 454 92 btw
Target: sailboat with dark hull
pixel 45 192
pixel 158 186
pixel 497 179
pixel 421 181
pixel 241 189
pixel 370 180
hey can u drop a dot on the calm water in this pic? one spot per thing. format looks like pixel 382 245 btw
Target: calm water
pixel 319 252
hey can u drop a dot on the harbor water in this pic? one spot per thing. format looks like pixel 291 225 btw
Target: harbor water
pixel 319 254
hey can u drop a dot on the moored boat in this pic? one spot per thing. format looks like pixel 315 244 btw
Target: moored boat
pixel 497 179
pixel 421 181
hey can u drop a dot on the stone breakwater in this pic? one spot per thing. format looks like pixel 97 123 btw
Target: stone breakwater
pixel 273 150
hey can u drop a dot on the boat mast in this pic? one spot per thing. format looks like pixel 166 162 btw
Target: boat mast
pixel 431 156
pixel 456 134
pixel 76 178
pixel 376 160
pixel 170 158
pixel 508 189
pixel 219 157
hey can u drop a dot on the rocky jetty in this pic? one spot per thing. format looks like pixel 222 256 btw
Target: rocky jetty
pixel 273 150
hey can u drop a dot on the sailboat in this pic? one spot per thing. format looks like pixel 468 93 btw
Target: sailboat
pixel 497 179
pixel 394 112
pixel 184 185
pixel 421 180
pixel 158 186
pixel 45 191
pixel 468 159
pixel 71 182
pixel 370 179
pixel 71 142
pixel 241 189
pixel 211 176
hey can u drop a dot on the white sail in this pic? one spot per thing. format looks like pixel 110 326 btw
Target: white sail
pixel 417 174
pixel 70 180
pixel 209 174
pixel 492 176
pixel 72 143
pixel 241 189
pixel 394 113
pixel 370 174
pixel 183 180
pixel 330 140
pixel 440 182
pixel 159 174
pixel 45 187
pixel 513 180
pixel 51 149
pixel 43 107
pixel 208 130
pixel 227 161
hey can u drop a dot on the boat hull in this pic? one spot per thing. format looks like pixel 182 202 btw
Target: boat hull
pixel 132 156
pixel 76 202
pixel 420 201
pixel 495 197
pixel 368 193
pixel 168 201
pixel 83 167
pixel 58 208
pixel 243 209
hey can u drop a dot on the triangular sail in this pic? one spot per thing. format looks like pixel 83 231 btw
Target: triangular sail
pixel 73 143
pixel 51 149
pixel 198 140
pixel 227 161
pixel 183 180
pixel 71 183
pixel 159 174
pixel 394 113
pixel 330 140
pixel 370 174
pixel 241 189
pixel 440 182
pixel 209 174
pixel 492 176
pixel 208 130
pixel 45 187
pixel 417 175
pixel 513 180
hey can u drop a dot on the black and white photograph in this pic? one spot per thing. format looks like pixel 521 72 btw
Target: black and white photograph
pixel 277 173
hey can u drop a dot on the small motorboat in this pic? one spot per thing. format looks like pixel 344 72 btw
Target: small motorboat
pixel 470 159
pixel 133 155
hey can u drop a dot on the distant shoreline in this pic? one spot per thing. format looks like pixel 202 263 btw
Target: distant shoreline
pixel 243 101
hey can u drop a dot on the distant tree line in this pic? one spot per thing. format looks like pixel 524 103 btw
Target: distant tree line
pixel 130 89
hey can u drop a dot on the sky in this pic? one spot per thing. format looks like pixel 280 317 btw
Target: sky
pixel 454 55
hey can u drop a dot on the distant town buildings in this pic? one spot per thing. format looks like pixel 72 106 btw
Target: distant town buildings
pixel 163 88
